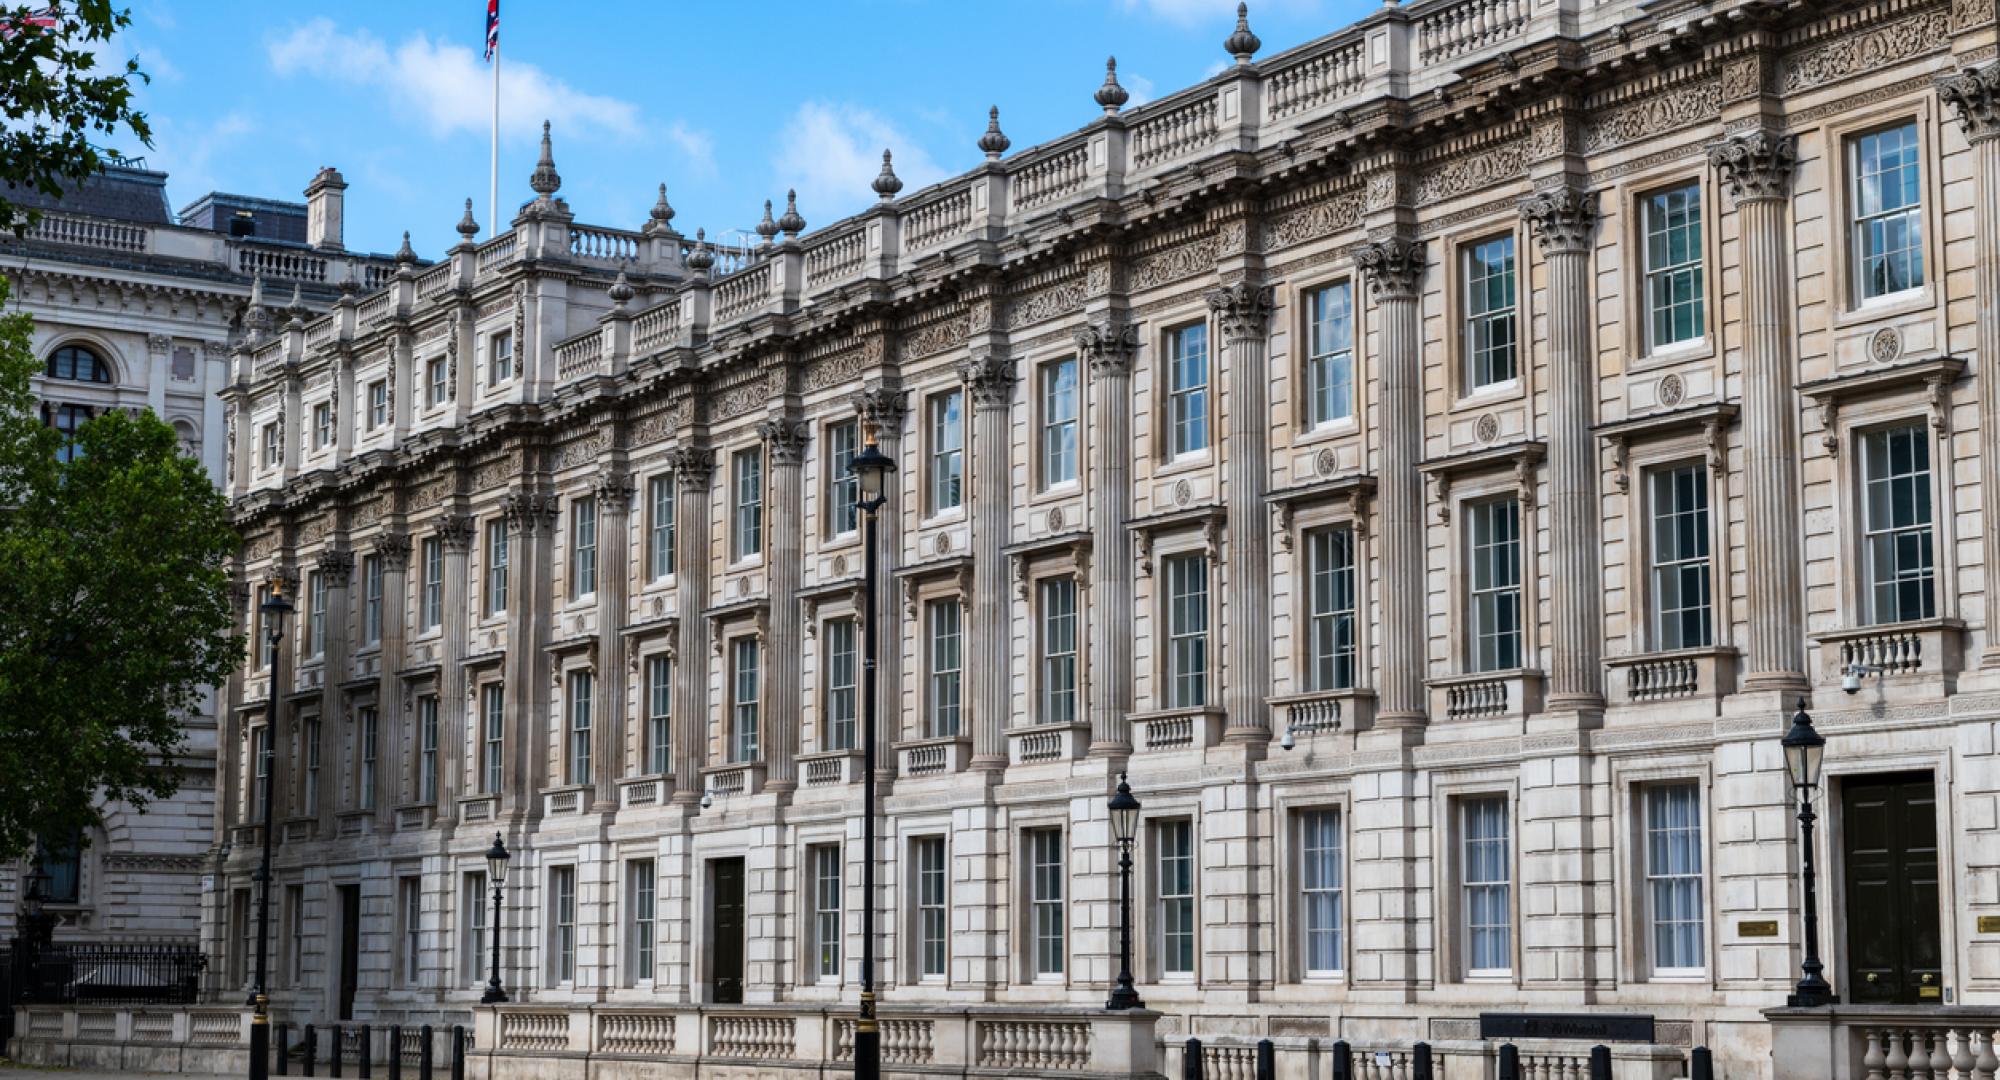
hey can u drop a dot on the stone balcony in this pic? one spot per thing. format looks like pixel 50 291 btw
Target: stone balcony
pixel 942 756
pixel 1885 1042
pixel 1192 728
pixel 1040 744
pixel 1486 694
pixel 1927 649
pixel 1674 675
pixel 829 768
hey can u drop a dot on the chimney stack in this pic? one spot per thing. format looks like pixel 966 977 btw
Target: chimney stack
pixel 323 200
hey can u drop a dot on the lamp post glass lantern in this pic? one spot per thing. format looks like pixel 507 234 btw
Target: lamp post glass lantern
pixel 274 609
pixel 496 872
pixel 1805 752
pixel 1124 808
pixel 871 469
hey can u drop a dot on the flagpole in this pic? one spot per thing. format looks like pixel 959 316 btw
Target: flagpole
pixel 493 169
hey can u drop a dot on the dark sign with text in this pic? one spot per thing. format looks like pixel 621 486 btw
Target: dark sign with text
pixel 1596 1027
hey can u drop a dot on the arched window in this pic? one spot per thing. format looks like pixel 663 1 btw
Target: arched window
pixel 78 363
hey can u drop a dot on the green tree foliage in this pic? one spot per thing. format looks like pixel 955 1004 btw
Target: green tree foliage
pixel 55 98
pixel 114 607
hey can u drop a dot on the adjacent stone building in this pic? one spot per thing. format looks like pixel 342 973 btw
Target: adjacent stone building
pixel 1433 461
pixel 135 307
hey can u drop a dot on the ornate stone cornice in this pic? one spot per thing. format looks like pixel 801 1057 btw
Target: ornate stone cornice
pixel 335 567
pixel 1243 308
pixel 1972 94
pixel 1756 165
pixel 1563 218
pixel 784 439
pixel 989 379
pixel 1107 346
pixel 883 407
pixel 1394 267
pixel 694 467
pixel 456 532
pixel 393 548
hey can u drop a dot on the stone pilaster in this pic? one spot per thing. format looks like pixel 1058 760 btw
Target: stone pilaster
pixel 393 548
pixel 336 569
pixel 1565 220
pixel 1757 169
pixel 1244 312
pixel 784 559
pixel 1974 96
pixel 613 491
pixel 884 408
pixel 1107 347
pixel 1395 270
pixel 694 473
pixel 531 519
pixel 989 382
pixel 454 711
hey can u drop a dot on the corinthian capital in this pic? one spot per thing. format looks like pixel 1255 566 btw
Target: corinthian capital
pixel 1394 267
pixel 393 548
pixel 1971 93
pixel 456 532
pixel 1563 218
pixel 694 467
pixel 882 408
pixel 1756 165
pixel 1107 346
pixel 334 566
pixel 613 491
pixel 989 379
pixel 1243 308
pixel 529 512
pixel 785 439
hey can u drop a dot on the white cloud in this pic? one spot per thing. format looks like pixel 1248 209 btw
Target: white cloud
pixel 698 147
pixel 1137 85
pixel 449 86
pixel 831 152
pixel 188 155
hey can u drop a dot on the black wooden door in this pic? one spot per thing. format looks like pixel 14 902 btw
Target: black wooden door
pixel 350 947
pixel 725 940
pixel 1889 859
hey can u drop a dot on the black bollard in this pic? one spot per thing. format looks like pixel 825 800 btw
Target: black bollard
pixel 284 1046
pixel 1267 1060
pixel 457 1052
pixel 1600 1063
pixel 311 1048
pixel 1343 1061
pixel 395 1052
pixel 1510 1062
pixel 338 1048
pixel 1702 1067
pixel 365 1053
pixel 424 1053
pixel 1191 1060
pixel 1420 1062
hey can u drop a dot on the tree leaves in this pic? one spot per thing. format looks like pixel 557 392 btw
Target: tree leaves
pixel 54 97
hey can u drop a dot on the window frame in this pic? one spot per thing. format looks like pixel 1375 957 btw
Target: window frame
pixel 1465 315
pixel 1186 408
pixel 1058 438
pixel 840 683
pixel 743 748
pixel 499 556
pixel 430 781
pixel 378 405
pixel 430 601
pixel 1853 217
pixel 824 921
pixel 562 911
pixel 495 376
pixel 659 703
pixel 1321 670
pixel 367 753
pixel 1304 890
pixel 579 729
pixel 1868 586
pixel 931 908
pixel 582 547
pixel 437 382
pixel 410 927
pixel 1058 669
pixel 315 614
pixel 373 593
pixel 322 421
pixel 944 452
pixel 1648 878
pixel 472 966
pixel 1639 241
pixel 1164 928
pixel 1653 569
pixel 1174 681
pixel 944 687
pixel 102 372
pixel 746 505
pixel 642 922
pixel 1310 420
pixel 660 534
pixel 1045 909
pixel 1470 508
pixel 492 737
pixel 843 488
pixel 1464 929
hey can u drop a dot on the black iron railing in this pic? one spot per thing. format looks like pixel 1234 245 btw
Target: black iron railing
pixel 77 973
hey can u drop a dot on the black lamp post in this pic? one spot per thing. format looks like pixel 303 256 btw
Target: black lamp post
pixel 496 872
pixel 871 473
pixel 1804 751
pixel 1124 824
pixel 274 609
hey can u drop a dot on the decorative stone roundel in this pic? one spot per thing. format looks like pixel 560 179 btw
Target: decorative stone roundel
pixel 1672 390
pixel 1486 428
pixel 942 545
pixel 1055 518
pixel 1885 345
pixel 1183 494
pixel 1324 462
pixel 839 565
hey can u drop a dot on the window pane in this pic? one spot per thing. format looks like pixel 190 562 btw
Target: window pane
pixel 1057 598
pixel 1888 208
pixel 1489 312
pixel 1059 422
pixel 1330 355
pixel 947 450
pixel 1680 561
pixel 1674 875
pixel 840 688
pixel 1330 608
pixel 1174 875
pixel 1896 524
pixel 1320 855
pixel 1496 585
pixel 1486 877
pixel 941 619
pixel 1672 222
pixel 1187 630
pixel 1187 389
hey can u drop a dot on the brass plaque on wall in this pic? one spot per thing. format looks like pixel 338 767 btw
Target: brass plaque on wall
pixel 1757 928
pixel 1989 924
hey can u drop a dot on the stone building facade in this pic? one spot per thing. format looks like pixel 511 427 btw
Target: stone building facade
pixel 136 307
pixel 1433 461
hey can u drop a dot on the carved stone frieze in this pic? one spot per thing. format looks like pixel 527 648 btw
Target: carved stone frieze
pixel 1755 165
pixel 743 398
pixel 1062 298
pixel 1176 263
pixel 431 494
pixel 496 473
pixel 1322 217
pixel 1868 50
pixel 1472 171
pixel 1394 268
pixel 584 450
pixel 937 337
pixel 1655 115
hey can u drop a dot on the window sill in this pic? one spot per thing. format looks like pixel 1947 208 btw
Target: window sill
pixel 1192 461
pixel 1490 394
pixel 1881 307
pixel 1486 694
pixel 1346 427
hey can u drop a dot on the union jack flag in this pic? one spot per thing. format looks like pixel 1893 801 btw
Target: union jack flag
pixel 47 18
pixel 492 27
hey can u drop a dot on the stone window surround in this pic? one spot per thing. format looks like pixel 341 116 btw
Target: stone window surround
pixel 568 659
pixel 1038 370
pixel 832 602
pixel 923 583
pixel 351 749
pixel 1627 199
pixel 1171 544
pixel 1147 943
pixel 805 898
pixel 926 397
pixel 1629 780
pixel 617 895
pixel 478 559
pixel 432 366
pixel 544 941
pixel 1477 478
pixel 907 941
pixel 401 976
pixel 324 432
pixel 1670 451
pixel 1835 139
pixel 1452 279
pixel 729 462
pixel 1021 862
pixel 303 717
pixel 830 535
pixel 1340 504
pixel 638 753
pixel 1158 367
pixel 476 688
pixel 1448 791
pixel 1063 556
pixel 1290 803
pixel 1300 327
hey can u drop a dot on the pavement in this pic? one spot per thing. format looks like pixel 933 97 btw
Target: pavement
pixel 13 1071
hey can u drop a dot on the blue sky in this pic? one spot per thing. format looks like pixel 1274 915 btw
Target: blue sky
pixel 728 103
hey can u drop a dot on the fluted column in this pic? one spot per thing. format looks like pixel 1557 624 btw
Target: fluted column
pixel 784 556
pixel 531 521
pixel 694 471
pixel 613 491
pixel 1244 312
pixel 1565 220
pixel 394 550
pixel 336 569
pixel 1757 169
pixel 1108 348
pixel 883 409
pixel 454 711
pixel 1395 270
pixel 989 382
pixel 1974 95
